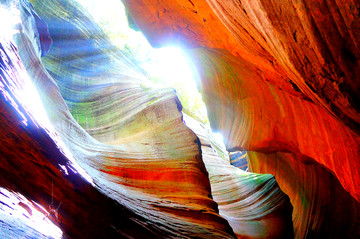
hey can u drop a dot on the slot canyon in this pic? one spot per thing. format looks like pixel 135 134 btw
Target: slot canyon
pixel 91 147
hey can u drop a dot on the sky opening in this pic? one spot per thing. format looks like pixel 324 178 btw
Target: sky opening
pixel 167 66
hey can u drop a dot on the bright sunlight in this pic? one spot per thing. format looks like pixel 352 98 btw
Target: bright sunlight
pixel 166 66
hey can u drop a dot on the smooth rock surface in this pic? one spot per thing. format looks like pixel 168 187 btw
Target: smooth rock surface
pixel 252 203
pixel 280 79
pixel 308 46
pixel 255 115
pixel 153 186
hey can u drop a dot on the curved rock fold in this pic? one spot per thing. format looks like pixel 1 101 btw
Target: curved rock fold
pixel 88 141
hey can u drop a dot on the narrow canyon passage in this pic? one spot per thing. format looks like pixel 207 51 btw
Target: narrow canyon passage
pixel 99 140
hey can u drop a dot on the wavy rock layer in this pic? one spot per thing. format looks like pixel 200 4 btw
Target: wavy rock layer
pixel 254 114
pixel 152 184
pixel 322 208
pixel 282 84
pixel 304 50
pixel 252 203
pixel 316 42
pixel 311 45
pixel 261 117
pixel 33 162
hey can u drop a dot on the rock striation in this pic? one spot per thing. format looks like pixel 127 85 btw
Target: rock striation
pixel 311 45
pixel 280 80
pixel 147 181
pixel 252 203
pixel 89 143
pixel 273 123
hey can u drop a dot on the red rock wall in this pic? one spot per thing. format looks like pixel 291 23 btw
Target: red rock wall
pixel 285 78
pixel 322 208
pixel 280 79
pixel 310 44
pixel 255 115
pixel 316 42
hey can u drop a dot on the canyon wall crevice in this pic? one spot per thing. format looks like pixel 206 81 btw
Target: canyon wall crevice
pixel 280 79
pixel 107 154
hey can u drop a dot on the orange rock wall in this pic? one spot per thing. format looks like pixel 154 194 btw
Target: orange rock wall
pixel 322 208
pixel 255 115
pixel 280 76
pixel 280 79
pixel 316 42
pixel 312 45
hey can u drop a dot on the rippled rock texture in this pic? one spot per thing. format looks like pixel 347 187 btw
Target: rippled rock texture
pixel 312 45
pixel 252 203
pixel 143 178
pixel 90 145
pixel 294 132
pixel 280 80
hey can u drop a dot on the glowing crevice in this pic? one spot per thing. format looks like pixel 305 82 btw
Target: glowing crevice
pixel 167 66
